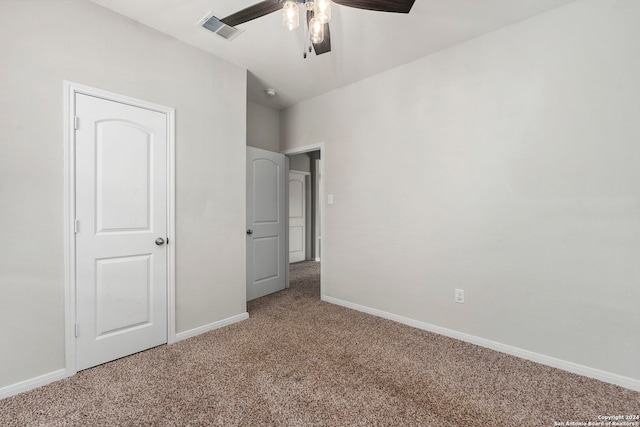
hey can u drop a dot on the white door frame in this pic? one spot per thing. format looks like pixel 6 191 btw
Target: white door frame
pixel 70 91
pixel 323 153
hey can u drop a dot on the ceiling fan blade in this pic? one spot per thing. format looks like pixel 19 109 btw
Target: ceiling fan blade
pixel 325 46
pixel 396 6
pixel 252 12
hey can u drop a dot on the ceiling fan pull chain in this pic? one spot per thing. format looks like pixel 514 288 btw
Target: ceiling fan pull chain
pixel 306 39
pixel 304 49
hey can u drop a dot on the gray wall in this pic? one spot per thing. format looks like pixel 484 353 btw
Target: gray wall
pixel 300 162
pixel 506 166
pixel 263 127
pixel 45 42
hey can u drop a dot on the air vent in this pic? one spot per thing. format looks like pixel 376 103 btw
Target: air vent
pixel 213 24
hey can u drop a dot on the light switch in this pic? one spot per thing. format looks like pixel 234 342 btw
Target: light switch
pixel 330 199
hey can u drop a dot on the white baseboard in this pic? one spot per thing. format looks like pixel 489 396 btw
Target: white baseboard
pixel 575 368
pixel 211 326
pixel 30 384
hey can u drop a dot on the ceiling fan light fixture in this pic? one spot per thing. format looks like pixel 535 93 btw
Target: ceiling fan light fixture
pixel 318 9
pixel 316 31
pixel 290 15
pixel 322 10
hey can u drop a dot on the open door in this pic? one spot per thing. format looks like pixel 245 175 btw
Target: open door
pixel 297 216
pixel 267 260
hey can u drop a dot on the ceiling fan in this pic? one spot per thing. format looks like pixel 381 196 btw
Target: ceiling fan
pixel 318 15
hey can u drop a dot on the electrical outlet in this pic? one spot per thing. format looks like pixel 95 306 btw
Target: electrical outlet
pixel 459 296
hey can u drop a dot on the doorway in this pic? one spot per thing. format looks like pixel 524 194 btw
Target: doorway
pixel 306 167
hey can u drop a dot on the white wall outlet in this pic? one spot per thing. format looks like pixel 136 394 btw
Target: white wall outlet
pixel 330 199
pixel 459 296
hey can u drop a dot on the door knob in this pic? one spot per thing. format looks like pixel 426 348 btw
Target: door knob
pixel 159 241
pixel 249 232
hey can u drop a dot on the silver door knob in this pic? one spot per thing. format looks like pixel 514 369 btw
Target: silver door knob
pixel 159 241
pixel 249 232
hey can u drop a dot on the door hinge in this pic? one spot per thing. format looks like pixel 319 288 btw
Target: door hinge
pixel 76 330
pixel 76 122
pixel 76 226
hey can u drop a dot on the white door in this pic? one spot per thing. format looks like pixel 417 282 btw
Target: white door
pixel 121 212
pixel 297 216
pixel 266 229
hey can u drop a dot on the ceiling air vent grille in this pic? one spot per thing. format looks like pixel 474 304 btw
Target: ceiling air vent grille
pixel 213 24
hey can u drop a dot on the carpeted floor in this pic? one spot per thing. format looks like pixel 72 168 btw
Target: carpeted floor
pixel 298 361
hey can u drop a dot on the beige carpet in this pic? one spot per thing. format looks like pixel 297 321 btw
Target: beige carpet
pixel 299 361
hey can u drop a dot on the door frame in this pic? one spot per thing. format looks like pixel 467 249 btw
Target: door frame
pixel 323 153
pixel 70 91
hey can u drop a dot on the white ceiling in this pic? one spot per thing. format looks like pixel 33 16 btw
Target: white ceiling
pixel 363 43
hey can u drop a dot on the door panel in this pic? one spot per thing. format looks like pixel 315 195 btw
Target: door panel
pixel 265 191
pixel 123 176
pixel 297 216
pixel 266 252
pixel 122 294
pixel 121 208
pixel 266 261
